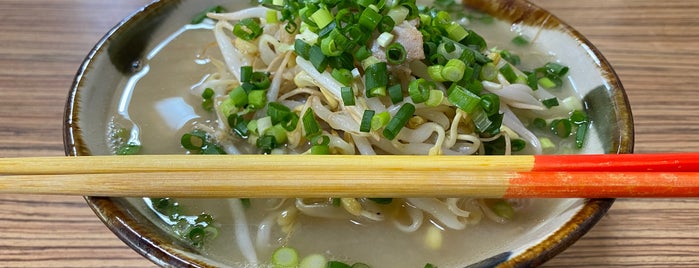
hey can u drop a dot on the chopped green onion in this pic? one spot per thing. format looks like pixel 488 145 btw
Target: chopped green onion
pixel 257 99
pixel 370 19
pixel 334 44
pixel 246 73
pixel 260 80
pixel 518 145
pixel 271 17
pixel 199 18
pixel 248 29
pixel 317 58
pixel 238 96
pixel 302 49
pixel 380 120
pixel 419 90
pixel 128 149
pixel 561 127
pixel 313 261
pixel 310 125
pixel 578 117
pixel 285 257
pixel 539 123
pixel 252 127
pixel 195 140
pixel 238 124
pixel 336 201
pixel 508 73
pixel 398 14
pixel 365 125
pixel 556 69
pixel 454 70
pixel 520 40
pixel 546 83
pixel 385 39
pixel 398 121
pixel 509 57
pixel 580 135
pixel 376 79
pixel 395 54
pixel 552 102
pixel 490 103
pixel 463 98
pixel 208 99
pixel 532 81
pixel 347 96
pixel 474 39
pixel 292 122
pixel 396 93
pixel 343 76
pixel 456 32
pixel 501 208
pixel 435 72
pixel 267 143
pixel 246 202
pixel 362 53
pixel 320 145
pixel 278 112
pixel 386 25
pixel 322 17
pixel 343 61
pixel 489 72
pixel 435 98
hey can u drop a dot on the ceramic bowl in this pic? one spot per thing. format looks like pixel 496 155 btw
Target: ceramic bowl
pixel 117 56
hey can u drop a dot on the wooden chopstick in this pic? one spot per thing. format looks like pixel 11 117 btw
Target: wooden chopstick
pixel 253 176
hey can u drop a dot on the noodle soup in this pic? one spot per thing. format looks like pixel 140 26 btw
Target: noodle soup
pixel 160 108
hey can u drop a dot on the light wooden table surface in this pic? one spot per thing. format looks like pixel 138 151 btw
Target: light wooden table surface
pixel 653 45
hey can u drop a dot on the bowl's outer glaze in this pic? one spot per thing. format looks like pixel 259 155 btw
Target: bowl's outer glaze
pixel 114 56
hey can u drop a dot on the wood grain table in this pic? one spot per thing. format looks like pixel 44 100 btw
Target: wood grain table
pixel 653 45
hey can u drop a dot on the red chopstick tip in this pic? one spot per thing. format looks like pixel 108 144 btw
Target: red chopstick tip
pixel 603 184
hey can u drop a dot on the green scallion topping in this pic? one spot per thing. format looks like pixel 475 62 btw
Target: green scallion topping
pixel 343 76
pixel 508 73
pixel 376 79
pixel 395 54
pixel 520 40
pixel 257 99
pixel 463 98
pixel 310 125
pixel 395 92
pixel 552 102
pixel 365 125
pixel 248 29
pixel 398 121
pixel 208 99
pixel 380 120
pixel 561 128
pixel 347 96
pixel 580 135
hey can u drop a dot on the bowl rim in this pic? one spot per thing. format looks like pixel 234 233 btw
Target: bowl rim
pixel 117 216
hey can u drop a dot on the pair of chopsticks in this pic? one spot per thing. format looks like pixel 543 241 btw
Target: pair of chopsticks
pixel 258 176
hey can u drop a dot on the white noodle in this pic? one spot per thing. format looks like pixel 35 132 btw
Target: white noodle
pixel 511 121
pixel 439 210
pixel 416 219
pixel 253 12
pixel 242 234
